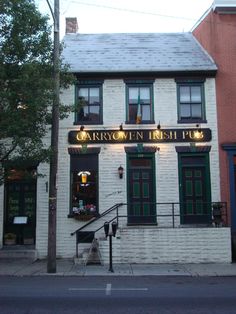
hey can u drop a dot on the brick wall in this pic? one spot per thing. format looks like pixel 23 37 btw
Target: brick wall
pixel 180 245
pixel 113 190
pixel 216 33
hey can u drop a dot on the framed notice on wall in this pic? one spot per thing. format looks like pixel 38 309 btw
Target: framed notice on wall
pixel 20 220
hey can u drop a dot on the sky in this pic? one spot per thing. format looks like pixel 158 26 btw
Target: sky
pixel 130 16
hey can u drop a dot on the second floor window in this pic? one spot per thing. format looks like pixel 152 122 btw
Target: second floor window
pixel 139 104
pixel 89 103
pixel 191 102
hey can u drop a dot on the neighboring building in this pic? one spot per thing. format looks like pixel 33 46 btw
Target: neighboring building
pixel 216 33
pixel 146 108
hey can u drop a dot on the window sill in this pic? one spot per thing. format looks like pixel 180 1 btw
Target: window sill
pixel 143 122
pixel 192 121
pixel 87 123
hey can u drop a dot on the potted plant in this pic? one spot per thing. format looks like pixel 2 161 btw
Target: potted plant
pixel 85 213
pixel 217 214
pixel 9 238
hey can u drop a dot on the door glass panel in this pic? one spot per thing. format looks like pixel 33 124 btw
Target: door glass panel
pixel 188 173
pixel 13 207
pixel 135 175
pixel 198 188
pixel 145 175
pixel 189 207
pixel 140 163
pixel 197 173
pixel 189 188
pixel 146 190
pixel 136 190
pixel 146 209
pixel 136 209
pixel 199 207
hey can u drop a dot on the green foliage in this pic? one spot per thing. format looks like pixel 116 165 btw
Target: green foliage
pixel 26 84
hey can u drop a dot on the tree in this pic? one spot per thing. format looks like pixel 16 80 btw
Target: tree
pixel 26 84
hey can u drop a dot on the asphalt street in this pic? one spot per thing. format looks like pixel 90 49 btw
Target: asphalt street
pixel 143 294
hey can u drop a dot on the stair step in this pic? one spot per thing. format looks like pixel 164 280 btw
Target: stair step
pixel 19 253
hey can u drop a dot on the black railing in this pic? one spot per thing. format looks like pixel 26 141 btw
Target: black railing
pixel 168 215
pixel 78 231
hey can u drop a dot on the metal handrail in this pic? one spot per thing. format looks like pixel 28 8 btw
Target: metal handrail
pixel 116 206
pixel 173 215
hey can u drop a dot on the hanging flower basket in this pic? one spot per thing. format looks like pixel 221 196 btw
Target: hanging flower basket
pixel 85 213
pixel 83 217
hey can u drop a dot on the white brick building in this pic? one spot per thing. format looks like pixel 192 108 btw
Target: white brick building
pixel 146 104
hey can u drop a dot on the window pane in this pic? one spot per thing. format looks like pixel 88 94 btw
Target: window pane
pixel 185 111
pixel 132 112
pixel 184 93
pixel 94 113
pixel 94 95
pixel 196 111
pixel 83 93
pixel 84 195
pixel 196 94
pixel 145 95
pixel 133 95
pixel 146 112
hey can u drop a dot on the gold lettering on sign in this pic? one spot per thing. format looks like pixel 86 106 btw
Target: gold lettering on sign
pixel 81 136
pixel 88 137
pixel 157 135
pixel 145 136
pixel 139 136
pixel 115 136
pixel 96 136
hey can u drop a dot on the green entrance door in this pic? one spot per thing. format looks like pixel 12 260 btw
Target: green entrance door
pixel 195 190
pixel 141 192
pixel 20 210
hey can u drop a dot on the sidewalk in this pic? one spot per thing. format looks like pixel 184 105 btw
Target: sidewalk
pixel 66 267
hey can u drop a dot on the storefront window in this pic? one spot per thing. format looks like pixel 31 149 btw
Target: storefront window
pixel 84 185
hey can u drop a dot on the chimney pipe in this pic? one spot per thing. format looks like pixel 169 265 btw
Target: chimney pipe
pixel 71 25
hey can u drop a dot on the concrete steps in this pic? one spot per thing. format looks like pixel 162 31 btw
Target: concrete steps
pixel 18 252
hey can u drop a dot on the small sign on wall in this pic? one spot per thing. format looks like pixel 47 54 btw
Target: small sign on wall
pixel 20 220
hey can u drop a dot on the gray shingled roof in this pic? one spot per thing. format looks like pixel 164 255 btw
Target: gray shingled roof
pixel 159 52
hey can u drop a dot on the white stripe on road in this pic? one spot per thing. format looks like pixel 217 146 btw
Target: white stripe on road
pixel 108 289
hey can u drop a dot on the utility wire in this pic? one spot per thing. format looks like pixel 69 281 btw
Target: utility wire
pixel 130 10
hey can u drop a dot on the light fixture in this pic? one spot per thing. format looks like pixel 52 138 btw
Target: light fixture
pixel 121 131
pixel 120 172
pixel 82 132
pixel 158 131
pixel 198 133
